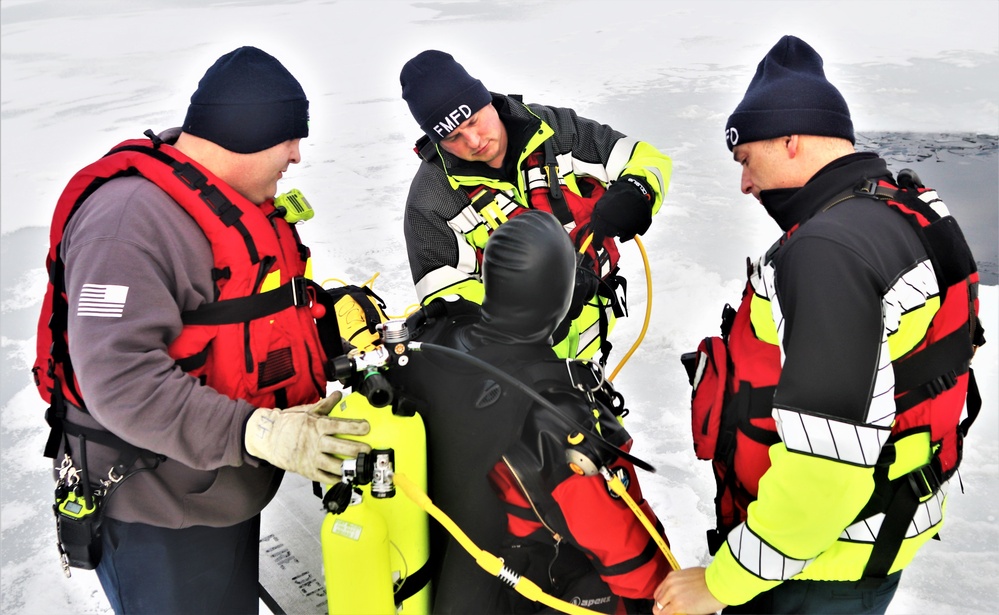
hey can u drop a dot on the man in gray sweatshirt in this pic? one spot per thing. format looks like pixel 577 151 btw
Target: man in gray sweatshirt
pixel 185 356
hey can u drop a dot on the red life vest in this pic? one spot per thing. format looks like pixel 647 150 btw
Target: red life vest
pixel 263 347
pixel 735 376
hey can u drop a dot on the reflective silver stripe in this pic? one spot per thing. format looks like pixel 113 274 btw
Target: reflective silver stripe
pixel 587 337
pixel 466 220
pixel 537 178
pixel 928 515
pixel 760 558
pixel 439 279
pixel 909 293
pixel 762 280
pixel 931 198
pixel 659 177
pixel 469 218
pixel 619 157
pixel 881 411
pixel 831 438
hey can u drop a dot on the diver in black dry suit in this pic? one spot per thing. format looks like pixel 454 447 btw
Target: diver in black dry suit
pixel 481 432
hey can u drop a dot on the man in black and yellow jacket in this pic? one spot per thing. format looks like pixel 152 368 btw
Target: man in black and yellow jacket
pixel 849 301
pixel 487 157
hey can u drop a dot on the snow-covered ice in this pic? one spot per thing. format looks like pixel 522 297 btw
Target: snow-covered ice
pixel 78 76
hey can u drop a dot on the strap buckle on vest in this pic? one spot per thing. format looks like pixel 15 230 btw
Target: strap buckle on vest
pixel 551 171
pixel 866 187
pixel 300 292
pixel 941 383
pixel 924 482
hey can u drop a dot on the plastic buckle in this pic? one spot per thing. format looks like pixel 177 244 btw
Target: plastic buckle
pixel 941 383
pixel 867 187
pixel 551 171
pixel 300 292
pixel 190 175
pixel 924 482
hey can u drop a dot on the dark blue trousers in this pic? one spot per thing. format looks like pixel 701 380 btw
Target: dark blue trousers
pixel 147 569
pixel 832 597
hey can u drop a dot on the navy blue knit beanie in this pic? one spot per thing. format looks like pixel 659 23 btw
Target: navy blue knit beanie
pixel 440 93
pixel 247 102
pixel 789 95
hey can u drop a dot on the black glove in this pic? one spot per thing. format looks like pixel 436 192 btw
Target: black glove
pixel 624 211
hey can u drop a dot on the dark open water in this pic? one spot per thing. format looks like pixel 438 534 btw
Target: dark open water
pixel 964 169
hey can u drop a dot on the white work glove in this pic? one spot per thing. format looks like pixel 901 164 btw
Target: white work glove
pixel 303 439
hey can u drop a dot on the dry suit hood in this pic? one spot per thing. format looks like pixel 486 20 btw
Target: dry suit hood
pixel 528 270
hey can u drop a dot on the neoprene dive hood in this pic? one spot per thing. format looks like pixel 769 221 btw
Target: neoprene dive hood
pixel 529 271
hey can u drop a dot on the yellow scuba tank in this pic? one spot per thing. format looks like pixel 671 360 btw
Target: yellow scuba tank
pixel 362 575
pixel 356 560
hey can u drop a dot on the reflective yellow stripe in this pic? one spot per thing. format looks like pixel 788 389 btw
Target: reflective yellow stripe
pixel 762 319
pixel 911 452
pixel 478 237
pixel 912 328
pixel 272 281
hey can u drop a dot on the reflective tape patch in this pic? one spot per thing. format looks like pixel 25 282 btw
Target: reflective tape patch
pixel 825 437
pixel 762 559
pixel 928 515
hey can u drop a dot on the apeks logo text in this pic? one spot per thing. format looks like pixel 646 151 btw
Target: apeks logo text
pixel 588 602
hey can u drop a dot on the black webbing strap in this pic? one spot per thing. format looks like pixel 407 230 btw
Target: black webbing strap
pixel 61 430
pixel 363 297
pixel 244 309
pixel 481 197
pixel 194 361
pixel 973 403
pixel 413 583
pixel 919 377
pixel 555 197
pixel 55 416
pixel 909 491
pixel 194 179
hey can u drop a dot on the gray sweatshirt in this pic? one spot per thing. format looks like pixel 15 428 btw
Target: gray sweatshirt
pixel 134 261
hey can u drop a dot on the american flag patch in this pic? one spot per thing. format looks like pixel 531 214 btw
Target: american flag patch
pixel 102 300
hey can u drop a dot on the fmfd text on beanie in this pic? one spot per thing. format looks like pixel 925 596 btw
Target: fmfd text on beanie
pixel 440 93
pixel 248 102
pixel 789 95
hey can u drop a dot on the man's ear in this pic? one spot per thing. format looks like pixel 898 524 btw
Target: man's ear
pixel 791 145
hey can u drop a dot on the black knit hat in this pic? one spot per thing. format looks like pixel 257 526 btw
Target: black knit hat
pixel 440 93
pixel 247 102
pixel 789 95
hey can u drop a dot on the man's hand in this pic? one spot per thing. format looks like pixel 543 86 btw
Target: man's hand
pixel 624 211
pixel 303 439
pixel 685 591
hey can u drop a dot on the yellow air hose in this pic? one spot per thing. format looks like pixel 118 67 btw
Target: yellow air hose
pixel 487 561
pixel 648 309
pixel 618 487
